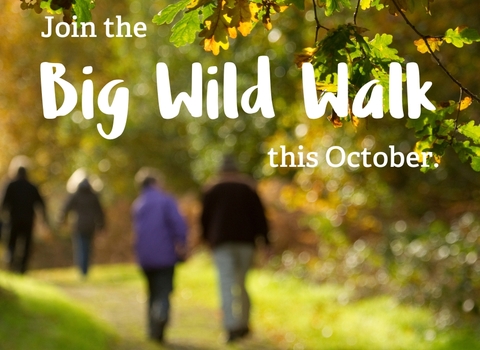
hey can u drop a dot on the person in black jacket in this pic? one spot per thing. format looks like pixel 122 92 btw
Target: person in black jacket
pixel 20 199
pixel 89 218
pixel 233 218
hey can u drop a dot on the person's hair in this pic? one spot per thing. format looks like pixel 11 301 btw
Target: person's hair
pixel 148 181
pixel 148 176
pixel 22 172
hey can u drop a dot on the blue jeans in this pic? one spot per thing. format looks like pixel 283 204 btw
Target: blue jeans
pixel 233 260
pixel 82 244
pixel 160 285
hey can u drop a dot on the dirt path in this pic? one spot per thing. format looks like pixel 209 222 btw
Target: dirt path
pixel 122 304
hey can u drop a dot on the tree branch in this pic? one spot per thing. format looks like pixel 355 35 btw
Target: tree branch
pixel 317 21
pixel 435 57
pixel 355 13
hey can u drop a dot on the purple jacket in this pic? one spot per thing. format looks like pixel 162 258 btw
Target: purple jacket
pixel 159 228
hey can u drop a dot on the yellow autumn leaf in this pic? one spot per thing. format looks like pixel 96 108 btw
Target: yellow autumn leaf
pixel 267 22
pixel 214 46
pixel 270 9
pixel 434 44
pixel 254 10
pixel 242 17
pixel 335 120
pixel 355 121
pixel 365 4
pixel 326 87
pixel 194 4
pixel 467 101
pixel 217 29
pixel 423 146
pixel 305 56
pixel 279 8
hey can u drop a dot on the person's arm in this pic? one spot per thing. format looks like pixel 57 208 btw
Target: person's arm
pixel 178 228
pixel 67 207
pixel 260 220
pixel 205 218
pixel 41 203
pixel 6 202
pixel 100 214
pixel 5 205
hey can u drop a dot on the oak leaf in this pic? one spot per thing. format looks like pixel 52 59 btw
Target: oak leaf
pixel 434 44
pixel 335 120
pixel 305 56
pixel 217 29
pixel 467 101
pixel 242 17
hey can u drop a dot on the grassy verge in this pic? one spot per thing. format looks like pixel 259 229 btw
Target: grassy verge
pixel 314 317
pixel 293 314
pixel 287 313
pixel 36 316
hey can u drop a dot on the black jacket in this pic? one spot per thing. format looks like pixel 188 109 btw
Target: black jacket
pixel 89 213
pixel 232 212
pixel 20 200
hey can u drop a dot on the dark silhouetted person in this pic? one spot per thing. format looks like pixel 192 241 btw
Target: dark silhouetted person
pixel 89 218
pixel 160 240
pixel 233 218
pixel 21 198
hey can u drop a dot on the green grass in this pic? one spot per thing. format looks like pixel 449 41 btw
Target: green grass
pixel 312 318
pixel 37 316
pixel 287 314
pixel 293 314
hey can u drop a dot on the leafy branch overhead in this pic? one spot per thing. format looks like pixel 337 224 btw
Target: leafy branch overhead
pixel 217 22
pixel 367 58
pixel 69 8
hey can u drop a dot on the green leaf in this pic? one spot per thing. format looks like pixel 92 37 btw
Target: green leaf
pixel 471 131
pixel 380 48
pixel 82 10
pixel 207 11
pixel 168 14
pixel 366 4
pixel 475 163
pixel 432 118
pixel 462 149
pixel 335 5
pixel 470 35
pixel 185 30
pixel 461 35
pixel 446 127
pixel 466 152
pixel 377 4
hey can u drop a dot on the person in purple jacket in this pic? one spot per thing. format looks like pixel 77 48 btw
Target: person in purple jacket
pixel 160 240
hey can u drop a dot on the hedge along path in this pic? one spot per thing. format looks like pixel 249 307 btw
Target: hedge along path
pixel 117 295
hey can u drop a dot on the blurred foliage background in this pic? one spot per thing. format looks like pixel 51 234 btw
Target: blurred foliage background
pixel 374 230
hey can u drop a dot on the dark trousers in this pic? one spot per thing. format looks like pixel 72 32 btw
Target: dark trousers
pixel 160 285
pixel 19 254
pixel 82 246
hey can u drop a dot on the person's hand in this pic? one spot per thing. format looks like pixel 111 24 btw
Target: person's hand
pixel 182 252
pixel 267 253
